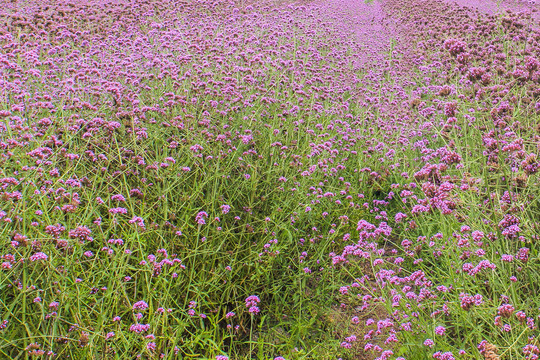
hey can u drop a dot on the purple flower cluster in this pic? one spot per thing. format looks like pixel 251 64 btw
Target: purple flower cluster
pixel 252 303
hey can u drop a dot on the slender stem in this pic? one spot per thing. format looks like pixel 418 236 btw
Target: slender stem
pixel 250 335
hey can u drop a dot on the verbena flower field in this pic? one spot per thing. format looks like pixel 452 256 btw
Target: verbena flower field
pixel 219 179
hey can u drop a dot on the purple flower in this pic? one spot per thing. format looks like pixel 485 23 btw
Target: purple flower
pixel 251 303
pixel 54 305
pixel 38 256
pixel 118 197
pixel 505 310
pixel 118 210
pixel 399 217
pixel 225 208
pixel 140 305
pixel 82 233
pixel 151 346
pixel 200 218
pixel 139 328
pixel 440 330
pixel 138 221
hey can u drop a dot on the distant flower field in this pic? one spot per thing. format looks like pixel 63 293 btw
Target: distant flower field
pixel 277 180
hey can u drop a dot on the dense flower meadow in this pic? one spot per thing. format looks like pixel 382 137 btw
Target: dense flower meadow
pixel 205 179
